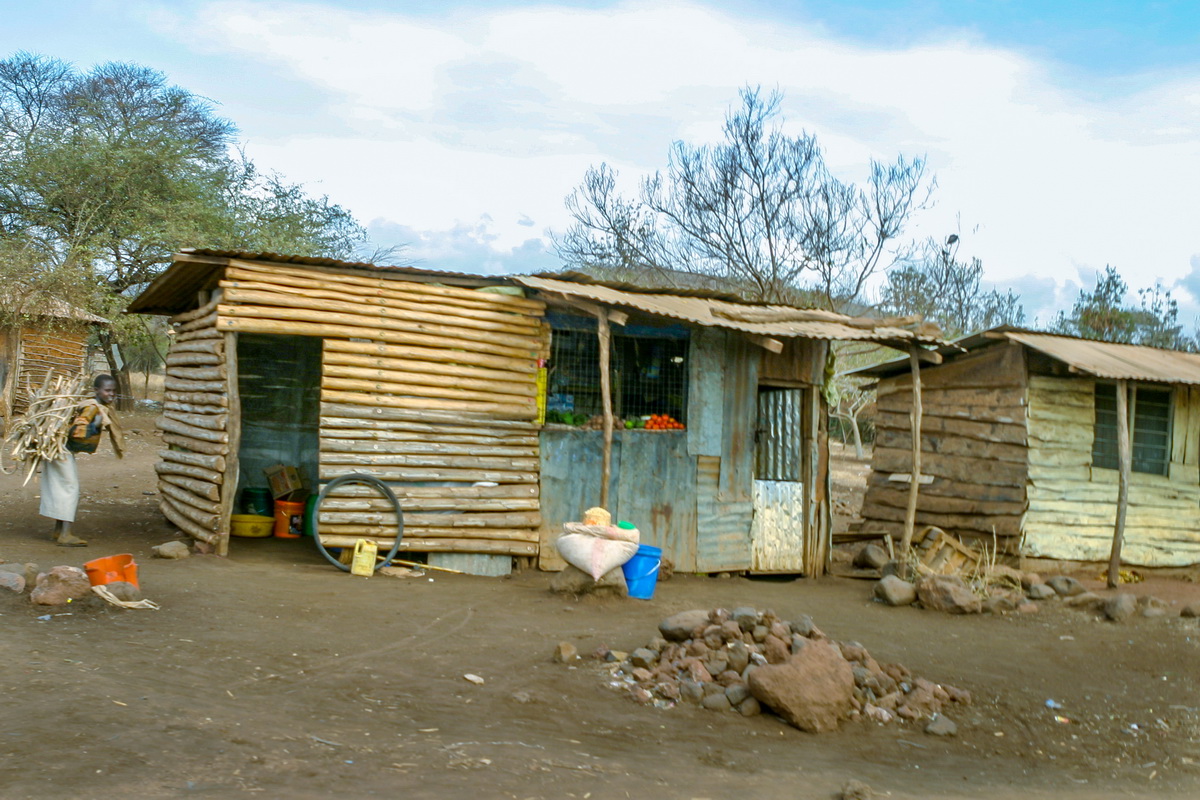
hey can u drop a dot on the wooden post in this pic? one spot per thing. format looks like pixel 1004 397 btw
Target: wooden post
pixel 1125 462
pixel 233 427
pixel 605 336
pixel 910 515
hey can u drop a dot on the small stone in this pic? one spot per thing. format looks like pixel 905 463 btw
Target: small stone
pixel 12 581
pixel 956 695
pixel 798 643
pixel 643 657
pixel 565 653
pixel 668 690
pixel 642 675
pixel 871 556
pixel 1027 608
pixel 900 569
pixel 730 631
pixel 781 631
pixel 749 707
pixel 776 650
pixel 28 571
pixel 718 616
pixel 60 586
pixel 737 692
pixel 857 790
pixel 1065 586
pixel 729 678
pixel 713 688
pixel 999 604
pixel 678 627
pixel 896 591
pixel 738 655
pixel 716 663
pixel 1120 607
pixel 475 679
pixel 690 691
pixel 1031 579
pixel 803 625
pixel 862 676
pixel 746 617
pixel 1084 600
pixel 712 637
pixel 760 633
pixel 171 550
pixel 1190 610
pixel 657 644
pixel 1150 601
pixel 123 590
pixel 941 725
pixel 1154 612
pixel 1040 591
pixel 521 697
pixel 716 702
pixel 642 696
pixel 697 648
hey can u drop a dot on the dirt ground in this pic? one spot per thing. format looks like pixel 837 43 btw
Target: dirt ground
pixel 271 674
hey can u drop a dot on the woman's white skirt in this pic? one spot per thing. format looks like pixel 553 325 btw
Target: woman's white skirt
pixel 60 488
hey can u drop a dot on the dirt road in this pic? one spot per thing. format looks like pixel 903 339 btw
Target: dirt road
pixel 270 674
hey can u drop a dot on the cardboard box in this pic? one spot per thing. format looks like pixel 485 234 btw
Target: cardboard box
pixel 283 480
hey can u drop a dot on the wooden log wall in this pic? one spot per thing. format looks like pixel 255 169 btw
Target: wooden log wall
pixel 430 388
pixel 60 348
pixel 973 446
pixel 1072 505
pixel 197 472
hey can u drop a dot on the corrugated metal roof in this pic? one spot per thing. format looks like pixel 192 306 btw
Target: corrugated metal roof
pixel 1108 360
pixel 311 261
pixel 1114 361
pixel 765 320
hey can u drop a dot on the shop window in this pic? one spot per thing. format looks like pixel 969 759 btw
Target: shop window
pixel 1150 417
pixel 649 374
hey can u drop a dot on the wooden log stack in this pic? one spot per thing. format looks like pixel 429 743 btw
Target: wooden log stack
pixel 431 388
pixel 192 486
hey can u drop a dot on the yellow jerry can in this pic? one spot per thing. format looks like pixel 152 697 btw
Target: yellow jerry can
pixel 363 563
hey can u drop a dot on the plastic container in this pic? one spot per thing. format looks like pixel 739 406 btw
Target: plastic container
pixel 112 569
pixel 310 511
pixel 641 571
pixel 257 501
pixel 289 519
pixel 363 561
pixel 251 526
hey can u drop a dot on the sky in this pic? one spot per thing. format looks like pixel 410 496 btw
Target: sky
pixel 1064 134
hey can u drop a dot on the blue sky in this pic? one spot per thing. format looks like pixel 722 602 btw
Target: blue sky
pixel 1064 135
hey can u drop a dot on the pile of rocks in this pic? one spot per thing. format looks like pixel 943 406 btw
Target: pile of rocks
pixel 744 660
pixel 57 586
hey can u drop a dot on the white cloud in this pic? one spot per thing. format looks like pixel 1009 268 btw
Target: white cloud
pixel 432 122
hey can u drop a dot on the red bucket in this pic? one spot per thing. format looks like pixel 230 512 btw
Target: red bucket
pixel 112 569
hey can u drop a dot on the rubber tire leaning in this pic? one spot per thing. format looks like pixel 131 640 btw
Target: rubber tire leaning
pixel 363 480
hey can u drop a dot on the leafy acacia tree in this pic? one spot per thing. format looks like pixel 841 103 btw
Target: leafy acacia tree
pixel 1104 313
pixel 935 284
pixel 107 172
pixel 760 211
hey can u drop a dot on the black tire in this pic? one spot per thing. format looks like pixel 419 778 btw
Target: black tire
pixel 364 480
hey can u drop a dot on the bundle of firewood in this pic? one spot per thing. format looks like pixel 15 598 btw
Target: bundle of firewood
pixel 40 434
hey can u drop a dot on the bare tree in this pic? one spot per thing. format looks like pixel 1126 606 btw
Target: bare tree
pixel 759 211
pixel 851 400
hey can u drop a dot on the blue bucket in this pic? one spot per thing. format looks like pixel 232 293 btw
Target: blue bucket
pixel 641 571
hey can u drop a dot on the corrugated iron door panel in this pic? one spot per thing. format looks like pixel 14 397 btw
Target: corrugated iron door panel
pixel 722 528
pixel 779 435
pixel 778 531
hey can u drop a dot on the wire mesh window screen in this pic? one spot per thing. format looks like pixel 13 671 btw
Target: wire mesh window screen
pixel 649 375
pixel 1150 417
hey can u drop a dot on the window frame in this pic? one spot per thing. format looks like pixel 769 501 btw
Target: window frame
pixel 1139 427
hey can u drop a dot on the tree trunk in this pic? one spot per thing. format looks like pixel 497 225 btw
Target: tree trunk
pixel 858 443
pixel 910 515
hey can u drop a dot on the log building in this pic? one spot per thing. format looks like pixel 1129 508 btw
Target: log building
pixel 495 407
pixel 44 335
pixel 1020 439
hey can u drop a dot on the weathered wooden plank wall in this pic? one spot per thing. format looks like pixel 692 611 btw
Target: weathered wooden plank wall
pixel 60 348
pixel 1072 505
pixel 193 490
pixel 973 444
pixel 430 388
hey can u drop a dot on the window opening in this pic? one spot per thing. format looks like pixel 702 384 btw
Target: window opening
pixel 1150 422
pixel 649 376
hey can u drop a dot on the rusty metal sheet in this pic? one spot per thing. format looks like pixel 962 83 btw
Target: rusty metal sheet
pixel 709 312
pixel 722 528
pixel 779 437
pixel 778 532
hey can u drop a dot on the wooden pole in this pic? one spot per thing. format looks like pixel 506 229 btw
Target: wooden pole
pixel 1125 461
pixel 605 336
pixel 233 428
pixel 910 514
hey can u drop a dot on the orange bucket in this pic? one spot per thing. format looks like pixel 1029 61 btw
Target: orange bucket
pixel 112 569
pixel 289 519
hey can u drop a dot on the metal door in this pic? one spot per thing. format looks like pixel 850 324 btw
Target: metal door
pixel 779 498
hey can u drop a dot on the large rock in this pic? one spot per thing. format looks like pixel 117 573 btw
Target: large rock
pixel 12 581
pixel 678 627
pixel 1065 585
pixel 947 593
pixel 896 591
pixel 812 690
pixel 871 556
pixel 575 581
pixel 60 586
pixel 1120 607
pixel 28 571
